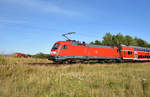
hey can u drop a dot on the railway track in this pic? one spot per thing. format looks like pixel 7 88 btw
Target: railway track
pixel 91 63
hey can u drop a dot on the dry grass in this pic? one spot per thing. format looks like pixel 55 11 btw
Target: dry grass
pixel 18 79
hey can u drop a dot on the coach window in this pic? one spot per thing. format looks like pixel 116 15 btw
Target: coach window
pixel 140 56
pixel 135 49
pixel 64 47
pixel 129 52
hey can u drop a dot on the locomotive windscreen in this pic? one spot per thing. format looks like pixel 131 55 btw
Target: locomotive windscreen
pixel 56 46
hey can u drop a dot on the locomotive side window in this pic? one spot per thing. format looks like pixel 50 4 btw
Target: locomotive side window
pixel 118 50
pixel 55 46
pixel 64 47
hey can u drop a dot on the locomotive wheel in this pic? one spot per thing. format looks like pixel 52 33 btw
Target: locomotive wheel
pixel 67 62
pixel 85 62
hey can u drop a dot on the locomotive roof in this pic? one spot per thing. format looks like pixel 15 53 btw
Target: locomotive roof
pixel 101 46
pixel 74 42
pixel 89 45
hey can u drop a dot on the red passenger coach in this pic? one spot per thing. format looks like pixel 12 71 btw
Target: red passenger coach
pixel 135 53
pixel 127 53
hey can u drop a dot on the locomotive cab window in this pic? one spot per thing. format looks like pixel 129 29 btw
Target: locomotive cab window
pixel 55 46
pixel 64 47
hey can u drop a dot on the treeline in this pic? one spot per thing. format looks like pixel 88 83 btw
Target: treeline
pixel 40 55
pixel 118 39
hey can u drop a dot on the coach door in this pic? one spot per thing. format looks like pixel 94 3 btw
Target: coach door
pixel 135 54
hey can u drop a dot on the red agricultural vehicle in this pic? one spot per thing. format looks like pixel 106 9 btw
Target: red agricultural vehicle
pixel 20 55
pixel 71 50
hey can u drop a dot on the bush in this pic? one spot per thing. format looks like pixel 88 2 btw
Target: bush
pixel 40 55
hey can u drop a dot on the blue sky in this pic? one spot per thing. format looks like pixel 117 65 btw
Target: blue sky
pixel 33 26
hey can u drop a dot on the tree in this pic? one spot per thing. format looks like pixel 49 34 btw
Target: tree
pixel 107 39
pixel 129 40
pixel 96 42
pixel 118 39
pixel 141 42
pixel 40 55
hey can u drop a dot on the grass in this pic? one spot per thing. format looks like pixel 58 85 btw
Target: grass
pixel 18 79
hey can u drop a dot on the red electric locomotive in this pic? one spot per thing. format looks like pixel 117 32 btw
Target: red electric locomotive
pixel 74 50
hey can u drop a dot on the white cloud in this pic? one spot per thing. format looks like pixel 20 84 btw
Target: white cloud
pixel 43 6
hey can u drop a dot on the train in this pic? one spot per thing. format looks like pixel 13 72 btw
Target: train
pixel 20 55
pixel 72 50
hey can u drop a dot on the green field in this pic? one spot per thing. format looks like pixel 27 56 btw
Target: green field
pixel 20 77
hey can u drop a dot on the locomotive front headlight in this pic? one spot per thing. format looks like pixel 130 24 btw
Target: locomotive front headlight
pixel 54 52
